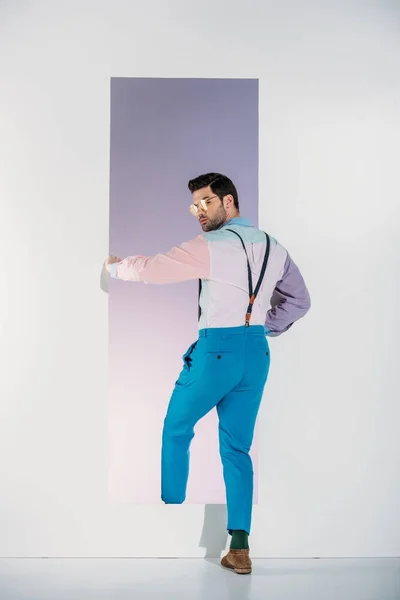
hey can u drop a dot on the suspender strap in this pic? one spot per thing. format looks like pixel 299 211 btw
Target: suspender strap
pixel 199 298
pixel 253 295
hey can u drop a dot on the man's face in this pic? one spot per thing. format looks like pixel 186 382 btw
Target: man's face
pixel 215 215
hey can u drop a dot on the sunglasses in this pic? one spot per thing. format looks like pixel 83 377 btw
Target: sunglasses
pixel 194 208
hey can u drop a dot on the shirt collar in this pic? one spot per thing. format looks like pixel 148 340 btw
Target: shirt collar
pixel 237 221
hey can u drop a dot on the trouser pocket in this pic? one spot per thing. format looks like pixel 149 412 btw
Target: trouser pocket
pixel 187 357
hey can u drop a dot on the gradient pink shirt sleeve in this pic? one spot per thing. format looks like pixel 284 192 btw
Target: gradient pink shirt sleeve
pixel 190 260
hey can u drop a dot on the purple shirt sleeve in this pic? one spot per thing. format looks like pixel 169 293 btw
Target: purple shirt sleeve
pixel 290 301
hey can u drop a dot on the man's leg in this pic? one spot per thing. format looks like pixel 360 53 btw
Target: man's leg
pixel 204 380
pixel 237 417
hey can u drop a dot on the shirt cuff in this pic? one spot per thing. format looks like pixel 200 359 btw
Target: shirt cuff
pixel 112 269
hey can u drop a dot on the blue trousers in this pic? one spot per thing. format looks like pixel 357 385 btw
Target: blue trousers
pixel 226 368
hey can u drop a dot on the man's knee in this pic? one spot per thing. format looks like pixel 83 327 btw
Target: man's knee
pixel 172 500
pixel 231 449
pixel 177 429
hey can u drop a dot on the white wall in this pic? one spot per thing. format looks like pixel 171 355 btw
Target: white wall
pixel 329 142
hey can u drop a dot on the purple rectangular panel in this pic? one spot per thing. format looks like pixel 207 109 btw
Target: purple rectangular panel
pixel 163 133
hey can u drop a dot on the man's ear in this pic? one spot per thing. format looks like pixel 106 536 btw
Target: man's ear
pixel 229 199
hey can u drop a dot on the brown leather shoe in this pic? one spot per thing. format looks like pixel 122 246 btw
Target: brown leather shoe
pixel 238 560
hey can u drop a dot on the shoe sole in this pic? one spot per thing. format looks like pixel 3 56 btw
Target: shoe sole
pixel 238 571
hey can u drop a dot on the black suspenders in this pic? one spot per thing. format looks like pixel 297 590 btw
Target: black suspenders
pixel 199 298
pixel 252 294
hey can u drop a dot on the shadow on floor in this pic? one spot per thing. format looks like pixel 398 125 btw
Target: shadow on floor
pixel 214 535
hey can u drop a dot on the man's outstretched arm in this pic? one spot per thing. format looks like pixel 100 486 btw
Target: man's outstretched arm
pixel 190 260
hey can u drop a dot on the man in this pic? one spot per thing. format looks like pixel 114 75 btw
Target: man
pixel 240 270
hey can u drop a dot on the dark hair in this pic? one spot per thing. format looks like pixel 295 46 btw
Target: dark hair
pixel 220 186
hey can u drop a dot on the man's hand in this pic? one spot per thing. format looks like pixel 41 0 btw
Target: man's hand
pixel 111 260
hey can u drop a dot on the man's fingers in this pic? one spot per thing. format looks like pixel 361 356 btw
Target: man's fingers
pixel 113 259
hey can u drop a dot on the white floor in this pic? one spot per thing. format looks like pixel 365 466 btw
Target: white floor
pixel 195 579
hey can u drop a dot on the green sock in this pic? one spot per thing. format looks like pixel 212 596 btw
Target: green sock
pixel 240 540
